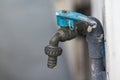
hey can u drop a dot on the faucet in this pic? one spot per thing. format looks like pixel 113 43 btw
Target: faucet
pixel 72 24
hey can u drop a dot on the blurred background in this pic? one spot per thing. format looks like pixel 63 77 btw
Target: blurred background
pixel 26 27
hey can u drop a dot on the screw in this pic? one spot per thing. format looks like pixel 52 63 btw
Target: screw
pixel 64 11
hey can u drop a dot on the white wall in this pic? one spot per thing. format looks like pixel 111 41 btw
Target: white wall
pixel 112 21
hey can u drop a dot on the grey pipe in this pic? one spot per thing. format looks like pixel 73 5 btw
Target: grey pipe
pixel 94 40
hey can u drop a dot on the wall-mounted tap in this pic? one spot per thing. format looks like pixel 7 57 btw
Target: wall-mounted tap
pixel 73 24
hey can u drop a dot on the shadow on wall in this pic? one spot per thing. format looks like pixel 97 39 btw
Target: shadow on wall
pixel 25 28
